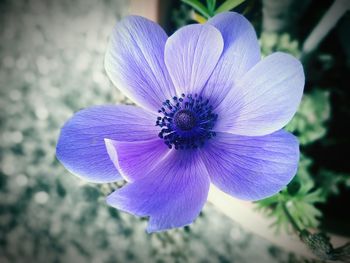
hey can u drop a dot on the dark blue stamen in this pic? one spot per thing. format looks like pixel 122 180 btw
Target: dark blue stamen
pixel 187 122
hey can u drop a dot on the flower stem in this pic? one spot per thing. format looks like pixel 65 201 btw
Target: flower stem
pixel 291 219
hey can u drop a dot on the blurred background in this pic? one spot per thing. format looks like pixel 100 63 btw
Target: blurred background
pixel 51 65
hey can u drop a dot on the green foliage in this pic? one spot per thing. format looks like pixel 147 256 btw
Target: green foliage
pixel 211 6
pixel 198 6
pixel 313 113
pixel 209 10
pixel 228 5
pixel 330 181
pixel 299 198
pixel 181 16
pixel 271 42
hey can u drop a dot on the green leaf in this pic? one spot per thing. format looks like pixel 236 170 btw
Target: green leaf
pixel 198 6
pixel 228 5
pixel 211 6
pixel 330 182
pixel 301 206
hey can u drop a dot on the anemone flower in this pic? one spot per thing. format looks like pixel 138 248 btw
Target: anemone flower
pixel 210 110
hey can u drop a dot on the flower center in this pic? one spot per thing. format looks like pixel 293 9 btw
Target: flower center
pixel 186 122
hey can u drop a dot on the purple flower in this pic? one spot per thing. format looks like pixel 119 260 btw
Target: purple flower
pixel 210 111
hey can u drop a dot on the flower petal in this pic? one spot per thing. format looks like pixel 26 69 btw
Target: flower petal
pixel 265 99
pixel 252 168
pixel 135 62
pixel 81 147
pixel 241 52
pixel 173 194
pixel 134 160
pixel 191 54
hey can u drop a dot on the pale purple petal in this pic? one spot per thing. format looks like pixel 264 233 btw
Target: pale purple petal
pixel 135 62
pixel 191 54
pixel 265 99
pixel 172 195
pixel 81 147
pixel 252 168
pixel 241 52
pixel 134 160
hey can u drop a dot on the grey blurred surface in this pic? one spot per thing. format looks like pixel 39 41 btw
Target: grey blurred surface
pixel 51 66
